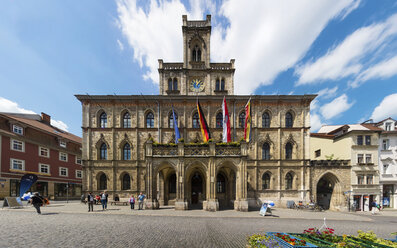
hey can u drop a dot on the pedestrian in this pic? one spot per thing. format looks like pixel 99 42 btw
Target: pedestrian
pixel 106 199
pixel 90 200
pixel 374 206
pixel 141 197
pixel 37 202
pixel 132 201
pixel 103 200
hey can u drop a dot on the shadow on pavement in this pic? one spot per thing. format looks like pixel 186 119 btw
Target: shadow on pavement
pixel 49 213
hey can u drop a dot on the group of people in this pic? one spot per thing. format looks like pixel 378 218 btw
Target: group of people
pixel 103 198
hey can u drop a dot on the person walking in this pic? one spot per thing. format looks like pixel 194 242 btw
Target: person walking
pixel 107 198
pixel 132 202
pixel 37 201
pixel 374 207
pixel 141 197
pixel 90 200
pixel 103 200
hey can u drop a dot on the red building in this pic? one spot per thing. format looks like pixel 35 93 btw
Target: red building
pixel 29 144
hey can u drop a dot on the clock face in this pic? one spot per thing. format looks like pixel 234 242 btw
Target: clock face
pixel 196 85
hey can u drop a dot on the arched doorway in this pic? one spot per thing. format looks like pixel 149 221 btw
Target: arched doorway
pixel 328 192
pixel 166 184
pixel 196 189
pixel 226 185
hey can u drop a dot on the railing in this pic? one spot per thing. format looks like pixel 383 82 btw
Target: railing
pixel 197 64
pixel 198 151
pixel 164 150
pixel 196 23
pixel 330 162
pixel 227 151
pixel 172 66
pixel 221 66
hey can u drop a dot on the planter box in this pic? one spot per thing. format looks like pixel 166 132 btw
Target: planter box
pixel 286 244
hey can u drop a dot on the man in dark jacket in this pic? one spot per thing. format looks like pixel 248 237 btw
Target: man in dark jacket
pixel 37 202
pixel 90 200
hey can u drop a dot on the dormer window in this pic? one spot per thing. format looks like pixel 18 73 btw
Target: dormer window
pixel 388 126
pixel 17 129
pixel 196 54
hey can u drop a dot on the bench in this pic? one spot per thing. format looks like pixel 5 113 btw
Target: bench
pixel 119 203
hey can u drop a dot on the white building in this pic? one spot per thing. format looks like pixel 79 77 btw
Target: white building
pixel 388 162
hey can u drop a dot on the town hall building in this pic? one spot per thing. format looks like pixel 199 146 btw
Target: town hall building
pixel 129 141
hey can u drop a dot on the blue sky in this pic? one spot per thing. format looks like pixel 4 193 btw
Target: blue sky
pixel 345 51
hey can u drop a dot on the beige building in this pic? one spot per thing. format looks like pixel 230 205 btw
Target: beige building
pixel 129 142
pixel 358 145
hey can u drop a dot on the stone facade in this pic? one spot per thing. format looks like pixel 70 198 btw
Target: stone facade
pixel 129 143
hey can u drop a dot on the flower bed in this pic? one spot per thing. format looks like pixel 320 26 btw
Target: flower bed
pixel 288 240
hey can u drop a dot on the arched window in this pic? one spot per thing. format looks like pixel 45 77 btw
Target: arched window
pixel 150 120
pixel 126 182
pixel 288 151
pixel 198 54
pixel 266 120
pixel 127 120
pixel 266 181
pixel 175 84
pixel 127 152
pixel 217 85
pixel 288 181
pixel 103 120
pixel 220 184
pixel 102 185
pixel 196 121
pixel 172 183
pixel 288 120
pixel 222 84
pixel 170 84
pixel 266 151
pixel 171 120
pixel 241 119
pixel 219 120
pixel 103 154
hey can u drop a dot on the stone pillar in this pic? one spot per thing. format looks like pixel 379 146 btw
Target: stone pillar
pixel 151 201
pixel 180 201
pixel 211 204
pixel 161 189
pixel 241 202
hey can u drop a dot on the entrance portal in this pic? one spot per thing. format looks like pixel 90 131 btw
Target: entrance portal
pixel 324 193
pixel 197 188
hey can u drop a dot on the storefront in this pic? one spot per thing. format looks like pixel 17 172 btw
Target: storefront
pixel 363 202
pixel 388 196
pixel 67 191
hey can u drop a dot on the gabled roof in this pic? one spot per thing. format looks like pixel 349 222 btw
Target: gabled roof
pixel 335 131
pixel 382 121
pixel 34 121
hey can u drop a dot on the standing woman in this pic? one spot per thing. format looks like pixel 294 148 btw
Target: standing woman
pixel 37 202
pixel 132 201
pixel 103 200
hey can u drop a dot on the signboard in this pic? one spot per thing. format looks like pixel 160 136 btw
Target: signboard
pixel 265 210
pixel 386 201
pixel 12 202
pixel 26 182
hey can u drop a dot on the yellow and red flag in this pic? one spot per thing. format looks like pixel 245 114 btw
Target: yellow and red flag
pixel 248 122
pixel 205 131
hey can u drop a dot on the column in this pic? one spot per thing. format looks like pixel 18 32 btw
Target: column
pixel 241 202
pixel 151 201
pixel 180 202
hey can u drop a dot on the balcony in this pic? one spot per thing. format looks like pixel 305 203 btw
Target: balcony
pixel 196 150
pixel 330 163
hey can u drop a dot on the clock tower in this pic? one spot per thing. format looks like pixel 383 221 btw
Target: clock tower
pixel 196 75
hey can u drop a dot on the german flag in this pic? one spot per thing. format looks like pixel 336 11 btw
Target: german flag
pixel 205 131
pixel 248 122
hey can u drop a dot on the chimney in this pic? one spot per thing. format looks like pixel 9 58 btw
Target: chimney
pixel 45 118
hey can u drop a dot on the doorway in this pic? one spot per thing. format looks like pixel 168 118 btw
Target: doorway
pixel 197 189
pixel 325 189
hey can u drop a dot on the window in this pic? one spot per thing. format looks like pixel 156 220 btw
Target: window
pixel 63 171
pixel 63 156
pixel 360 140
pixel 388 126
pixel 265 120
pixel 171 120
pixel 103 120
pixel 175 84
pixel 172 184
pixel 62 143
pixel 368 140
pixel 288 151
pixel 360 179
pixel 17 129
pixel 385 144
pixel 368 158
pixel 170 84
pixel 385 167
pixel 44 152
pixel 127 120
pixel 317 153
pixel 288 120
pixel 44 168
pixel 288 181
pixel 370 179
pixel 266 151
pixel 79 174
pixel 150 120
pixel 217 85
pixel 103 152
pixel 360 158
pixel 220 184
pixel 222 84
pixel 17 164
pixel 241 120
pixel 266 181
pixel 219 120
pixel 126 182
pixel 196 122
pixel 127 152
pixel 196 54
pixel 78 161
pixel 102 185
pixel 17 145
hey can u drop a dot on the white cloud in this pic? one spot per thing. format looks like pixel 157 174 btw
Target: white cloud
pixel 315 122
pixel 12 107
pixel 335 107
pixel 59 124
pixel 121 46
pixel 382 70
pixel 345 59
pixel 387 108
pixel 327 93
pixel 266 38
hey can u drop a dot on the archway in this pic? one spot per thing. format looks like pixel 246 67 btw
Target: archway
pixel 196 188
pixel 328 192
pixel 226 185
pixel 166 184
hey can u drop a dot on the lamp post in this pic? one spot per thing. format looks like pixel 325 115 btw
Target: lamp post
pixel 67 192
